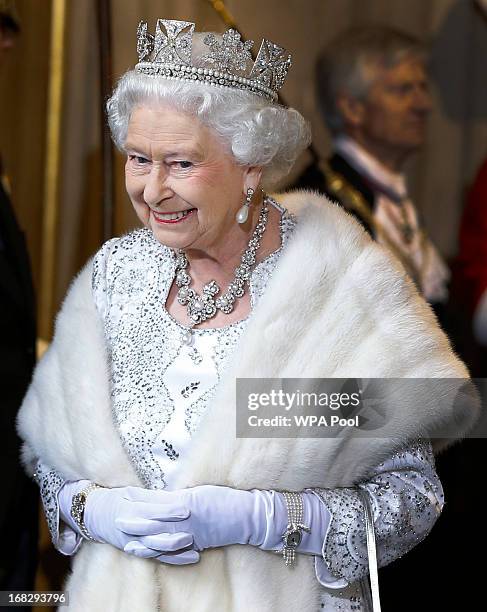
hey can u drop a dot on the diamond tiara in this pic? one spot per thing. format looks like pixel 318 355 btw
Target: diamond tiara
pixel 228 62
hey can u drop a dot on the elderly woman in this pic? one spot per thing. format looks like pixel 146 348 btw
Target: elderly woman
pixel 129 422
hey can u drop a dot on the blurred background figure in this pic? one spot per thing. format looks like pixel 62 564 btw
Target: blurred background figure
pixel 373 93
pixel 19 498
pixel 9 27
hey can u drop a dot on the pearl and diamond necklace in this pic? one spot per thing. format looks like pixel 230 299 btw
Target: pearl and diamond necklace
pixel 202 307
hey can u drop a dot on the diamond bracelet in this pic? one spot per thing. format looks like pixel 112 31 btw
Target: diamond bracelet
pixel 293 535
pixel 78 504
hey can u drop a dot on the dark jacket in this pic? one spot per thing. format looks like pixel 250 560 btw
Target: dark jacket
pixel 19 499
pixel 338 180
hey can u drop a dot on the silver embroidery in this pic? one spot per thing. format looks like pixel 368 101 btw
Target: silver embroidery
pixel 50 483
pixel 348 599
pixel 196 356
pixel 169 450
pixel 132 277
pixel 407 498
pixel 191 388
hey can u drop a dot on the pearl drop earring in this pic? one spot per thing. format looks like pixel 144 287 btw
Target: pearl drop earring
pixel 243 212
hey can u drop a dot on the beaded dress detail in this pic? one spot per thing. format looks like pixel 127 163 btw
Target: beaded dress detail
pixel 160 387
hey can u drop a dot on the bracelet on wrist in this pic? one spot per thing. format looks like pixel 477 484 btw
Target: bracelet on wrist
pixel 293 535
pixel 78 505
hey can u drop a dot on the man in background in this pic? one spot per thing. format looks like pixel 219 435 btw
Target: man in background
pixel 373 94
pixel 19 498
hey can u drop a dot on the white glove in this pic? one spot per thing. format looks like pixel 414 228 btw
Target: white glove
pixel 221 515
pixel 105 507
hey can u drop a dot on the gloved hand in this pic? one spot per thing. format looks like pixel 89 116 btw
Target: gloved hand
pixel 104 507
pixel 217 516
pixel 220 516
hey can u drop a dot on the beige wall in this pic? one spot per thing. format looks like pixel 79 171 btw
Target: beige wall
pixel 457 136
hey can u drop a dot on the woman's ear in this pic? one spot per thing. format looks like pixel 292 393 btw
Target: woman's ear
pixel 252 176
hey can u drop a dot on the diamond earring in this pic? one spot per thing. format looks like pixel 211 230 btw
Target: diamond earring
pixel 243 212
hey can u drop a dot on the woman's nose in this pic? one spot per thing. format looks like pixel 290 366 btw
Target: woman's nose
pixel 156 189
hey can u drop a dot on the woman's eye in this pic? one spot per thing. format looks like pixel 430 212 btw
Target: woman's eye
pixel 184 165
pixel 138 159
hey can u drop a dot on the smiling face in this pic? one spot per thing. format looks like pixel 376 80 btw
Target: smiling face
pixel 183 182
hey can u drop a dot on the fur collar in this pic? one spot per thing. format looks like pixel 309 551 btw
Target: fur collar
pixel 336 306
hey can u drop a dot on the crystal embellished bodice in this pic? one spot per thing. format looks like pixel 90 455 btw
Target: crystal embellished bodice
pixel 161 387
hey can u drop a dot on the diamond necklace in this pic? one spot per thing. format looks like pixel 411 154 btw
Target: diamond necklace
pixel 201 307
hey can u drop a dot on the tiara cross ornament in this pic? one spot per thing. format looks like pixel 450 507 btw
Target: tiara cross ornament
pixel 231 54
pixel 228 62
